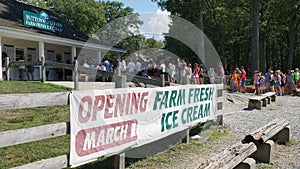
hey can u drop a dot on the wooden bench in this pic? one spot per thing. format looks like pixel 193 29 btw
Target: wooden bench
pixel 271 95
pixel 256 146
pixel 296 92
pixel 257 102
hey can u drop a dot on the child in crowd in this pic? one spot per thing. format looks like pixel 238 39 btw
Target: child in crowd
pixel 262 84
pixel 277 79
pixel 234 80
pixel 289 86
pixel 257 82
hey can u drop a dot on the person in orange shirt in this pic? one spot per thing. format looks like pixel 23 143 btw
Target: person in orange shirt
pixel 234 80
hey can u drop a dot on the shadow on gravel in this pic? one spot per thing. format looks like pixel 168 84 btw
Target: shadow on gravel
pixel 248 109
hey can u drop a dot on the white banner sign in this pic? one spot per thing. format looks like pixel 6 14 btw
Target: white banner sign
pixel 106 122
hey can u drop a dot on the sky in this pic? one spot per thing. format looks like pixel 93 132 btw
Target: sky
pixel 141 6
pixel 155 20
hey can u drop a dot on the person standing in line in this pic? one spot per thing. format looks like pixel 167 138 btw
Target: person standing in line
pixel 243 77
pixel 277 78
pixel 191 73
pixel 30 68
pixel 272 81
pixel 124 66
pixel 138 68
pixel 4 56
pixel 162 66
pixel 257 83
pixel 21 68
pixel 68 72
pixel 212 75
pixel 201 74
pixel 179 70
pixel 296 76
pixel 268 80
pixel 171 72
pixel 196 74
pixel 262 84
pixel 131 67
pixel 234 80
pixel 283 82
pixel 289 85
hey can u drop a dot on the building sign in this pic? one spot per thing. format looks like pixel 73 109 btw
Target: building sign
pixel 42 21
pixel 106 122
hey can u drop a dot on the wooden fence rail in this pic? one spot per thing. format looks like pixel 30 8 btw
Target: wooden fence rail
pixel 50 163
pixel 26 135
pixel 31 100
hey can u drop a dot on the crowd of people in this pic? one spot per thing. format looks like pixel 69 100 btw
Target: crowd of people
pixel 271 81
pixel 175 72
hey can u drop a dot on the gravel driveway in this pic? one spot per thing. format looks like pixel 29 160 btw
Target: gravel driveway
pixel 240 121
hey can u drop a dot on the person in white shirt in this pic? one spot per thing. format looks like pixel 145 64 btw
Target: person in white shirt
pixel 162 66
pixel 138 66
pixel 131 67
pixel 123 65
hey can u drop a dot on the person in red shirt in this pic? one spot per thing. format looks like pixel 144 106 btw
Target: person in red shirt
pixel 243 80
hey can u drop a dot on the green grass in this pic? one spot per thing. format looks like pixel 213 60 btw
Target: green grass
pixel 30 152
pixel 13 87
pixel 31 117
pixel 287 143
pixel 34 151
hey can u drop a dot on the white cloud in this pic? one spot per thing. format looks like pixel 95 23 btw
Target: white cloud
pixel 155 24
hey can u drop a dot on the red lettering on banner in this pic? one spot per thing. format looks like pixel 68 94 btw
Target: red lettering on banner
pixel 97 108
pixel 111 105
pixel 86 112
pixel 97 139
pixel 108 106
pixel 143 107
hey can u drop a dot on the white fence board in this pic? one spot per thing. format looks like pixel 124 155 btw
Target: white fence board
pixel 30 100
pixel 14 137
pixel 51 163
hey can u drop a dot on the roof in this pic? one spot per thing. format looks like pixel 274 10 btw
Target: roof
pixel 11 16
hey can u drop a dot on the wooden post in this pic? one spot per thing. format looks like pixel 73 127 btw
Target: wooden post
pixel 43 80
pixel 162 80
pixel 119 159
pixel 76 74
pixel 41 55
pixel 187 138
pixel 1 74
pixel 7 69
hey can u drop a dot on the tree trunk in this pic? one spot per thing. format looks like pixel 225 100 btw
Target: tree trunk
pixel 294 25
pixel 255 35
pixel 291 47
pixel 264 56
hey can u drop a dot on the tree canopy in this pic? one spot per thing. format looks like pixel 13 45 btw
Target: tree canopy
pixel 229 25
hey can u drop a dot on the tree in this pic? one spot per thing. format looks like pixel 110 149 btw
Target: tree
pixel 255 35
pixel 122 28
pixel 229 25
pixel 87 15
pixel 37 3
